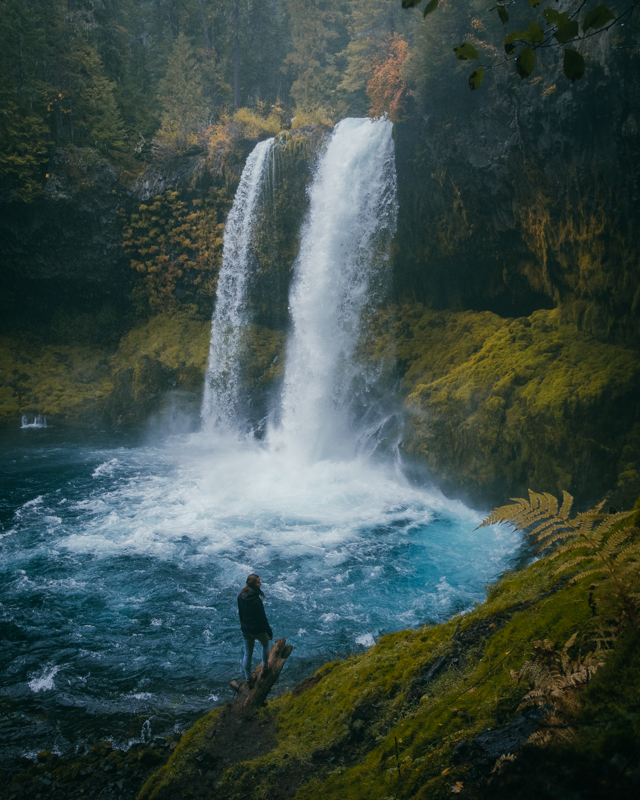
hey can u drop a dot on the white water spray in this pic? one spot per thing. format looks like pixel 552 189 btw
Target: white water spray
pixel 341 271
pixel 230 318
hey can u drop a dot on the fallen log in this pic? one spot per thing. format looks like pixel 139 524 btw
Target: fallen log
pixel 253 693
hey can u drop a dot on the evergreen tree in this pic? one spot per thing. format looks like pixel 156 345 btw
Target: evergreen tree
pixel 24 132
pixel 181 96
pixel 318 36
pixel 97 113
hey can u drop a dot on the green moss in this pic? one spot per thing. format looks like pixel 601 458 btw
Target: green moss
pixel 502 405
pixel 178 341
pixel 368 727
pixel 180 762
pixel 61 381
pixel 83 383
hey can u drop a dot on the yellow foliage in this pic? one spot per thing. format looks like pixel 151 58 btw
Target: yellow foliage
pixel 312 116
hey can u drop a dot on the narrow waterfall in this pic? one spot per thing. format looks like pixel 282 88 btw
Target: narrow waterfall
pixel 220 404
pixel 341 271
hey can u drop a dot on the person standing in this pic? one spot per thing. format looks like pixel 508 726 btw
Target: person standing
pixel 253 623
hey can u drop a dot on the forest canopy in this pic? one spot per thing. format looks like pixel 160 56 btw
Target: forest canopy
pixel 114 76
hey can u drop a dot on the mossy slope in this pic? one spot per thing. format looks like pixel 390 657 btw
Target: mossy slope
pixel 426 713
pixel 501 405
pixel 86 383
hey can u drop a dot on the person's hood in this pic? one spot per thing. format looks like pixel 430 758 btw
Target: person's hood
pixel 250 595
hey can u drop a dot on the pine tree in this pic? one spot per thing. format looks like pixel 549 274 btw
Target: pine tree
pixel 181 96
pixel 24 133
pixel 97 113
pixel 318 35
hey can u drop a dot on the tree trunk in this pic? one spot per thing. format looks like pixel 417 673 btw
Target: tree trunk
pixel 253 693
pixel 207 41
pixel 236 55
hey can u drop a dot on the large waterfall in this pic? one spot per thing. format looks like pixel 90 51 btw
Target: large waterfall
pixel 341 273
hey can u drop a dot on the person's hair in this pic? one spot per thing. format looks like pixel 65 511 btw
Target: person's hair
pixel 252 583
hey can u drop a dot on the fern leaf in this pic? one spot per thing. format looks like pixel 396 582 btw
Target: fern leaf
pixel 615 540
pixel 567 565
pixel 567 548
pixel 552 504
pixel 506 513
pixel 608 523
pixel 585 522
pixel 567 502
pixel 546 527
pixel 573 542
pixel 576 578
pixel 535 499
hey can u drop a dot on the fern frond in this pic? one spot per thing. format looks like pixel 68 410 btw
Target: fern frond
pixel 547 527
pixel 552 504
pixel 567 565
pixel 585 522
pixel 576 578
pixel 506 513
pixel 567 502
pixel 627 550
pixel 535 499
pixel 615 540
pixel 567 548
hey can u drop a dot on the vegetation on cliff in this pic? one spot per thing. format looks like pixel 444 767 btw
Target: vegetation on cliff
pixel 513 403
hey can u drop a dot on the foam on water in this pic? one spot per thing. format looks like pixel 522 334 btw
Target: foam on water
pixel 44 681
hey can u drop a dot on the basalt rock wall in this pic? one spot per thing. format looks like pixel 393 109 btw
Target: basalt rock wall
pixel 524 196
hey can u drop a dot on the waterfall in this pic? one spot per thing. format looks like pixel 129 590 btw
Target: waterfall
pixel 340 273
pixel 221 400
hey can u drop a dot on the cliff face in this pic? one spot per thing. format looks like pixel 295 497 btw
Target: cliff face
pixel 524 195
pixel 64 250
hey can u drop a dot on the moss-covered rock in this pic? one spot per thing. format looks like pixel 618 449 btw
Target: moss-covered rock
pixel 497 405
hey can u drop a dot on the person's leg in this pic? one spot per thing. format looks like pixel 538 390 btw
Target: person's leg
pixel 263 638
pixel 248 652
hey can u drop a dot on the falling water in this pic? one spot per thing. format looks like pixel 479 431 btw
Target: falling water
pixel 341 272
pixel 220 405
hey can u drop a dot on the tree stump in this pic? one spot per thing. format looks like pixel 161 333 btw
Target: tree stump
pixel 252 694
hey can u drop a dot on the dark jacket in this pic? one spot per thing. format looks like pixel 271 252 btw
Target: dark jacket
pixel 253 620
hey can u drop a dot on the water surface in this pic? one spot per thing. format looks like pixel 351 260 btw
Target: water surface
pixel 122 559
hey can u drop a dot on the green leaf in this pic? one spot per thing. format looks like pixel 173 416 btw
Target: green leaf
pixel 554 17
pixel 509 42
pixel 598 18
pixel 410 3
pixel 535 34
pixel 503 14
pixel 526 62
pixel 475 79
pixel 534 3
pixel 567 31
pixel 573 65
pixel 465 52
pixel 430 8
